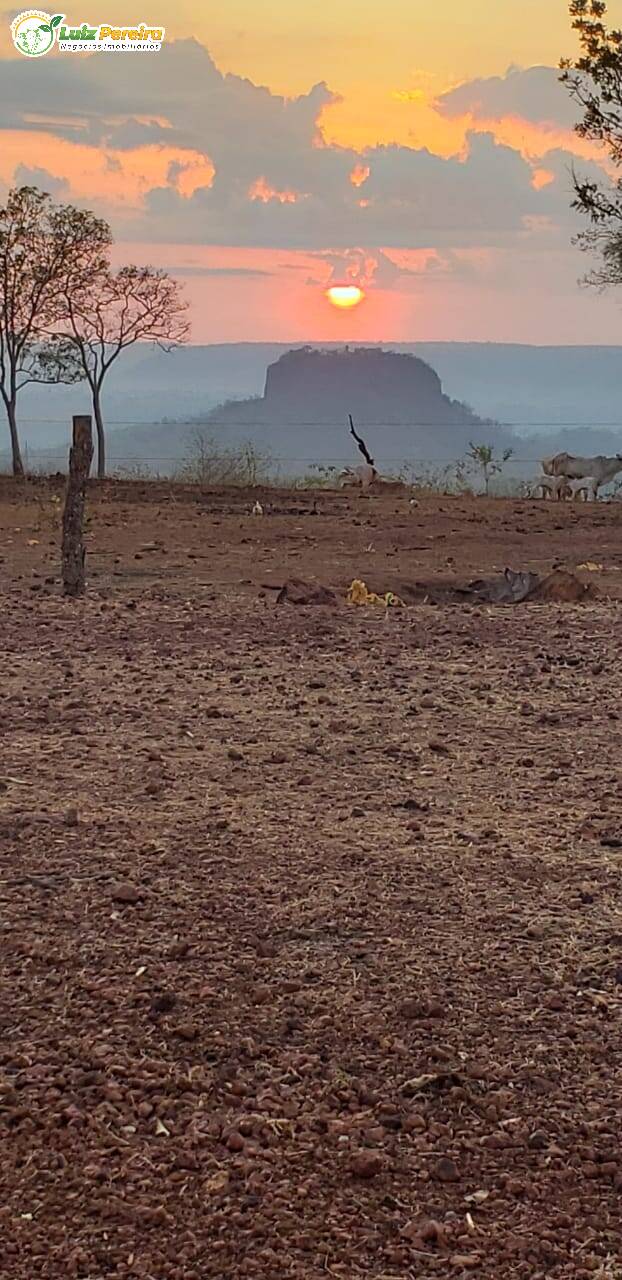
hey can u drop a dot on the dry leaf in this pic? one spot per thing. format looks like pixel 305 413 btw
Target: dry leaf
pixel 477 1197
pixel 440 1079
pixel 217 1182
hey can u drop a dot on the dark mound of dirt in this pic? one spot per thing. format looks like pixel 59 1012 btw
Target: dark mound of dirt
pixel 296 591
pixel 559 587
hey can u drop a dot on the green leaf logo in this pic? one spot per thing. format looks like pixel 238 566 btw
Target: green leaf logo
pixel 33 37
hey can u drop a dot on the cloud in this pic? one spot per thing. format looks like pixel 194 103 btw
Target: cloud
pixel 221 271
pixel 191 155
pixel 401 271
pixel 179 98
pixel 533 94
pixel 25 177
pixel 412 198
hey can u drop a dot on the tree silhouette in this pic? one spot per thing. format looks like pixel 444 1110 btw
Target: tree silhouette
pixel 112 311
pixel 42 247
pixel 594 81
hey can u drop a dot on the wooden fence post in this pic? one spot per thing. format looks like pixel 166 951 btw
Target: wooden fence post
pixel 80 459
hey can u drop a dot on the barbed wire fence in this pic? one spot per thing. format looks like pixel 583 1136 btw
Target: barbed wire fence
pixel 217 432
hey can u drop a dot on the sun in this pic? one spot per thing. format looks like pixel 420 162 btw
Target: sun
pixel 345 295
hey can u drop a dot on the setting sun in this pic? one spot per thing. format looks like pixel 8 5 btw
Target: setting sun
pixel 345 295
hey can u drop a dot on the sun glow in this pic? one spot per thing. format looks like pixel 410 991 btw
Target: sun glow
pixel 345 295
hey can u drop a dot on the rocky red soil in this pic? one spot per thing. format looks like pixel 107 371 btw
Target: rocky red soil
pixel 311 917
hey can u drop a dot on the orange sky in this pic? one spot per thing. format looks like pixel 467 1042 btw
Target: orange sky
pixel 385 67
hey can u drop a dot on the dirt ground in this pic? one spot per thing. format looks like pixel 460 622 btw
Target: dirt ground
pixel 311 918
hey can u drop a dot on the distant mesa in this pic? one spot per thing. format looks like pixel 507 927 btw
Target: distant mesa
pixel 315 388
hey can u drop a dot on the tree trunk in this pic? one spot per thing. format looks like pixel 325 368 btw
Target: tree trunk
pixel 74 554
pixel 101 437
pixel 11 413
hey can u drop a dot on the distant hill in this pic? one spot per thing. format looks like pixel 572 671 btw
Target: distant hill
pixel 395 398
pixel 562 397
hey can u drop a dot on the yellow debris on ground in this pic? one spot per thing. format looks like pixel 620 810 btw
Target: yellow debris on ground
pixel 591 567
pixel 358 594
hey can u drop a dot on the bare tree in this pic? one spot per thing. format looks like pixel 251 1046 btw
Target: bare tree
pixel 42 247
pixel 113 311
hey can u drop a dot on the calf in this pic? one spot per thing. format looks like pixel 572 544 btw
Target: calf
pixel 552 487
pixel 587 485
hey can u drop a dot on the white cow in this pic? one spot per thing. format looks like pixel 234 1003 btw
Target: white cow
pixel 389 484
pixel 601 468
pixel 358 477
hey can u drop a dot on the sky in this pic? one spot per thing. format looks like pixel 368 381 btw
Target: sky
pixel 271 150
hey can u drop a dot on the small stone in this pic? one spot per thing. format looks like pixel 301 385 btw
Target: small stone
pixel 445 1170
pixel 465 1261
pixel 536 930
pixel 261 995
pixel 178 951
pixel 433 1232
pixel 164 1002
pixel 235 1142
pixel 186 1031
pixel 538 1140
pixel 375 1133
pixel 127 893
pixel 412 1009
pixel 71 818
pixel 366 1164
pixel 414 1122
pixel 514 1187
pixel 235 755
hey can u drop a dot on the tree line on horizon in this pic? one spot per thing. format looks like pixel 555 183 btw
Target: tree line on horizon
pixel 66 314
